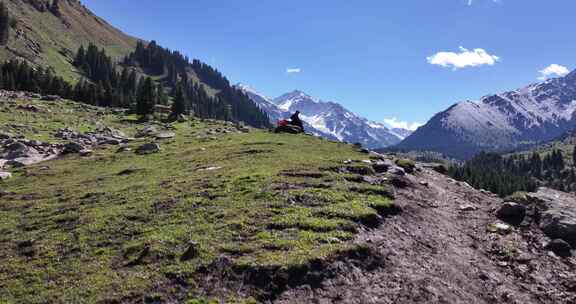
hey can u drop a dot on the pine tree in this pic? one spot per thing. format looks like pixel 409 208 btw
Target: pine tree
pixel 179 104
pixel 146 98
pixel 574 157
pixel 4 24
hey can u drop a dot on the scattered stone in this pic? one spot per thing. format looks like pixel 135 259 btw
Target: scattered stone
pixel 499 228
pixel 5 136
pixel 210 169
pixel 123 149
pixel 165 135
pixel 382 166
pixel 51 98
pixel 73 148
pixel 191 252
pixel 511 213
pixel 424 183
pixel 361 170
pixel 560 248
pixel 397 171
pixel 148 131
pixel 148 149
pixel 86 152
pixel 29 108
pixel 467 208
pixel 5 175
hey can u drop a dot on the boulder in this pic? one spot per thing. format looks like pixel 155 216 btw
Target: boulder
pixel 148 149
pixel 72 148
pixel 511 213
pixel 560 247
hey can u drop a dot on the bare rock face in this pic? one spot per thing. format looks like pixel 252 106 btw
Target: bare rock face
pixel 558 220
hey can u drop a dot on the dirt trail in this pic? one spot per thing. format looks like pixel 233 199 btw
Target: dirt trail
pixel 439 251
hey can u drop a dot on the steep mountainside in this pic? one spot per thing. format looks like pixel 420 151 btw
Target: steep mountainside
pixel 537 113
pixel 328 119
pixel 49 35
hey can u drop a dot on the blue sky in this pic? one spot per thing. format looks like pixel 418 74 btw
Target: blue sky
pixel 405 59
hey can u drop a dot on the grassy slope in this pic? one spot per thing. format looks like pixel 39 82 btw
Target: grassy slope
pixel 87 220
pixel 59 38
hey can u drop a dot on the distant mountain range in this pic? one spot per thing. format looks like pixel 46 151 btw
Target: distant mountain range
pixel 327 119
pixel 537 113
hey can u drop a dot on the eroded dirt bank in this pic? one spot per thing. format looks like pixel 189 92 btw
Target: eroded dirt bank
pixel 444 248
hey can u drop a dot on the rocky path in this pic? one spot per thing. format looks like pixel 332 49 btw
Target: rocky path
pixel 440 250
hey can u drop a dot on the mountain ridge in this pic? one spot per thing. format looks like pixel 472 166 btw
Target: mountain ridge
pixel 327 118
pixel 499 122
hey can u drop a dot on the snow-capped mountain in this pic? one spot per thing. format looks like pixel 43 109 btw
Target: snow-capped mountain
pixel 536 113
pixel 327 119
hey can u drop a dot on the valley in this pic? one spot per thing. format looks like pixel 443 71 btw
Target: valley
pixel 133 173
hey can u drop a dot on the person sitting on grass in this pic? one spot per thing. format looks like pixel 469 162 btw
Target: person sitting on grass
pixel 296 121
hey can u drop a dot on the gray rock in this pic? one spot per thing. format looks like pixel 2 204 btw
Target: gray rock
pixel 72 147
pixel 147 131
pixel 382 166
pixel 86 152
pixel 558 225
pixel 148 149
pixel 500 228
pixel 4 136
pixel 467 208
pixel 395 170
pixel 165 135
pixel 560 247
pixel 511 213
pixel 5 175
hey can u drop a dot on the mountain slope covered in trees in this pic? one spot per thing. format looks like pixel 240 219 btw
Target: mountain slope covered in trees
pixel 101 66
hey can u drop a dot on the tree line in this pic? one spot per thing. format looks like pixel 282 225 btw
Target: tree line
pixel 506 175
pixel 186 80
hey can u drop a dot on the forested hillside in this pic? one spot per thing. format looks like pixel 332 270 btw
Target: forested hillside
pixel 138 78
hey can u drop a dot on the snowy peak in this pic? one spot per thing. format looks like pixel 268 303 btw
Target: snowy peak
pixel 327 119
pixel 509 120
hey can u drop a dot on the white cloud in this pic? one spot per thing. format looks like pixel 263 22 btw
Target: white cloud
pixel 293 70
pixel 553 70
pixel 397 124
pixel 466 58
